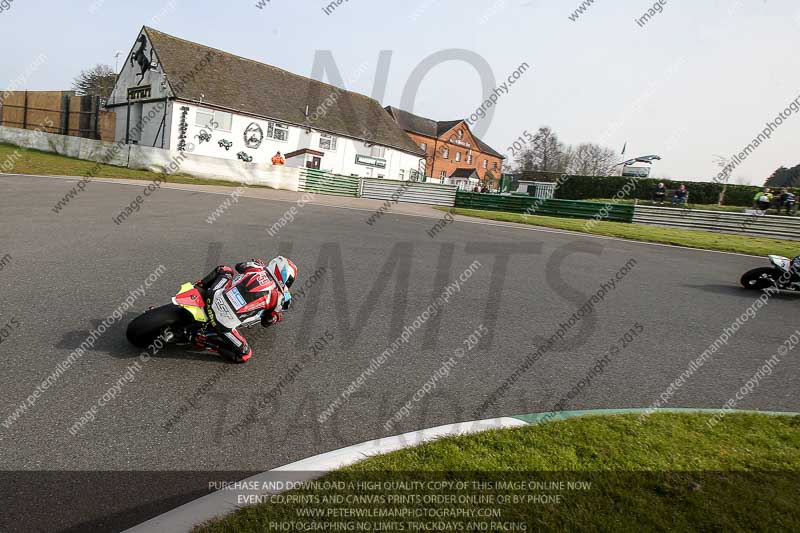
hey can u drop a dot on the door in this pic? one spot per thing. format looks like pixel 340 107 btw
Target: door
pixel 315 163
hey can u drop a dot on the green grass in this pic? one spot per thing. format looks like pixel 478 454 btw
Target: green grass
pixel 48 164
pixel 672 472
pixel 707 240
pixel 668 203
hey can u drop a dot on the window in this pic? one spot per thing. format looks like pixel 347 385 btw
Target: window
pixel 458 157
pixel 378 151
pixel 203 118
pixel 381 176
pixel 402 175
pixel 446 153
pixel 495 165
pixel 485 163
pixel 469 158
pixel 443 174
pixel 424 146
pixel 460 134
pixel 327 142
pixel 276 131
pixel 216 120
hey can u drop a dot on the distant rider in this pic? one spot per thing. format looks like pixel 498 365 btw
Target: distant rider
pixel 253 291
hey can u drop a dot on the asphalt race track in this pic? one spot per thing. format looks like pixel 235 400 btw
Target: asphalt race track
pixel 69 271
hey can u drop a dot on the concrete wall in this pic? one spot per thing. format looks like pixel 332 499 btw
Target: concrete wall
pixel 88 149
pixel 157 160
pixel 154 159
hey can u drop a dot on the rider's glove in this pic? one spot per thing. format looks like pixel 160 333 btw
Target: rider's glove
pixel 273 319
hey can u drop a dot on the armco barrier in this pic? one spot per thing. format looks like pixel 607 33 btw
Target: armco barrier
pixel 327 183
pixel 403 191
pixel 553 208
pixel 778 227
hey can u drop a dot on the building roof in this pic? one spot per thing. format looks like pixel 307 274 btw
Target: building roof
pixel 463 173
pixel 304 151
pixel 431 128
pixel 414 123
pixel 249 87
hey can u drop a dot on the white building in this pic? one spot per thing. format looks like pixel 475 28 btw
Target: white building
pixel 183 96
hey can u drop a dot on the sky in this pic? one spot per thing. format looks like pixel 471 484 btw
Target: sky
pixel 696 80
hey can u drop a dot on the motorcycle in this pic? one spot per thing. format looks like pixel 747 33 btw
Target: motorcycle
pixel 187 320
pixel 780 276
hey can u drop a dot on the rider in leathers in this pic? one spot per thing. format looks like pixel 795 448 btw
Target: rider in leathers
pixel 253 291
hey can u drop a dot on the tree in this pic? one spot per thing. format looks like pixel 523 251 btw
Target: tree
pixel 784 177
pixel 97 81
pixel 722 162
pixel 544 153
pixel 589 159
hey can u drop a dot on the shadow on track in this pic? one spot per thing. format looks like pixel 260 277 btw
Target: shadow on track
pixel 114 343
pixel 740 292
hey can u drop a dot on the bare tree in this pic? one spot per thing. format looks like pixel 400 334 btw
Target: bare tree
pixel 97 81
pixel 722 162
pixel 545 152
pixel 589 159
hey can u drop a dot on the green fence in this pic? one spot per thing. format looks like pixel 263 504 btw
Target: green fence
pixel 327 183
pixel 552 208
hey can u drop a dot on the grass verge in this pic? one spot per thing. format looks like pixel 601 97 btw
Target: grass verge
pixel 668 203
pixel 612 473
pixel 707 240
pixel 27 161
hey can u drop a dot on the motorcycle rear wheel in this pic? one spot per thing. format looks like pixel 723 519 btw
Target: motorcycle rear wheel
pixel 146 328
pixel 761 278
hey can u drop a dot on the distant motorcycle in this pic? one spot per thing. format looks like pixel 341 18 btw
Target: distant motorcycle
pixel 780 276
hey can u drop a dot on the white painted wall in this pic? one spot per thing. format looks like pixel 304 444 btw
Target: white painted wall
pixel 129 78
pixel 157 160
pixel 341 161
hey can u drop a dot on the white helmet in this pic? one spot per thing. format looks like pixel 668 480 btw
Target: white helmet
pixel 283 270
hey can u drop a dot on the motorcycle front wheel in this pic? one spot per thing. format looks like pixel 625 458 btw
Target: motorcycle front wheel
pixel 761 278
pixel 146 328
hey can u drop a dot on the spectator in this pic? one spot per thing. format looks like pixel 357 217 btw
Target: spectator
pixel 485 189
pixel 278 159
pixel 660 195
pixel 762 200
pixel 475 189
pixel 787 201
pixel 681 196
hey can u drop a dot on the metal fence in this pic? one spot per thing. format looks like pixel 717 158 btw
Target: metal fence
pixel 417 193
pixel 376 189
pixel 554 208
pixel 779 227
pixel 327 183
pixel 538 189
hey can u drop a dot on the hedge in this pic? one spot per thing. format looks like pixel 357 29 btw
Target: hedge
pixel 592 187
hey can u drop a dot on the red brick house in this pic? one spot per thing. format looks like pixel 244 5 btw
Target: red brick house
pixel 450 147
